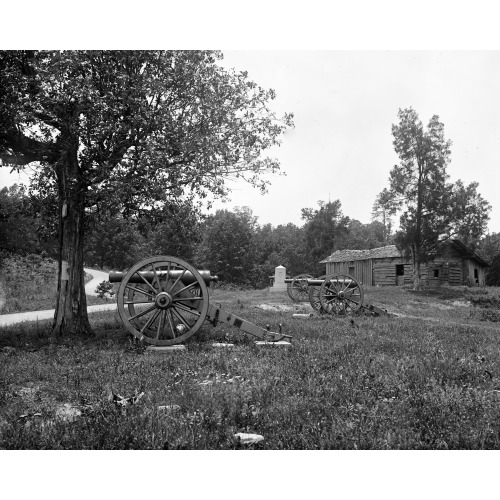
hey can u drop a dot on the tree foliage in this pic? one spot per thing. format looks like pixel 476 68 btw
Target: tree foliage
pixel 383 209
pixel 326 229
pixel 283 245
pixel 493 274
pixel 131 129
pixel 226 248
pixel 469 214
pixel 489 246
pixel 18 228
pixel 114 243
pixel 364 236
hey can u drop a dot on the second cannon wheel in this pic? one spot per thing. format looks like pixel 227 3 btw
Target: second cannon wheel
pixel 340 295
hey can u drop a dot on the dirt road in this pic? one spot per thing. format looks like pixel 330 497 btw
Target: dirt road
pixel 97 277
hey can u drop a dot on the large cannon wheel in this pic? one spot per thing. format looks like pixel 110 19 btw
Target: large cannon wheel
pixel 298 289
pixel 168 307
pixel 314 295
pixel 340 295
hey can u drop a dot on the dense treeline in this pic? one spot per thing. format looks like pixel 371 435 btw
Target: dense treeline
pixel 232 244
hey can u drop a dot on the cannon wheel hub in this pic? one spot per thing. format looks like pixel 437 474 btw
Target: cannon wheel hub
pixel 163 300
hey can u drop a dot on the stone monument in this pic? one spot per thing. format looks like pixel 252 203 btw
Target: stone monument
pixel 279 284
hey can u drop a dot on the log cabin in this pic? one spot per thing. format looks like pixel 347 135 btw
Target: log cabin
pixel 454 264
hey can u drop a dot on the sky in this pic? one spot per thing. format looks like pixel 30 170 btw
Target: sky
pixel 344 103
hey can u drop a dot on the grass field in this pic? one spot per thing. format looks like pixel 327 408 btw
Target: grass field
pixel 425 380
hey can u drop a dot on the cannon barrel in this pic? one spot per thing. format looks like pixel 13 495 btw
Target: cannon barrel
pixel 149 276
pixel 319 282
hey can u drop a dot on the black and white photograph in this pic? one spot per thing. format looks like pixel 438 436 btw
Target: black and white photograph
pixel 253 252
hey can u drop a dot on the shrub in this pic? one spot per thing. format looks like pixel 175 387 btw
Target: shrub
pixel 104 288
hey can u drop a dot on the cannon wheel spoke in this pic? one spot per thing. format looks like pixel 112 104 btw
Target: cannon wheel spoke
pixel 166 308
pixel 140 290
pixel 340 295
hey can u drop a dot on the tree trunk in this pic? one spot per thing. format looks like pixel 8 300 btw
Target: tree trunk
pixel 417 281
pixel 70 317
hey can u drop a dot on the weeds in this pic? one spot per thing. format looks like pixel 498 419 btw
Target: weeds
pixel 387 383
pixel 30 281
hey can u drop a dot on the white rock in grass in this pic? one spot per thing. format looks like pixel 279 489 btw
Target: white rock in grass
pixel 165 349
pixel 279 343
pixel 169 408
pixel 248 438
pixel 68 413
pixel 206 382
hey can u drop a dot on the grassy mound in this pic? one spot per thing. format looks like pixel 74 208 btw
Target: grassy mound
pixel 29 283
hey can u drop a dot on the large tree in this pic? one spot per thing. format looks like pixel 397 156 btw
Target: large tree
pixel 136 127
pixel 433 209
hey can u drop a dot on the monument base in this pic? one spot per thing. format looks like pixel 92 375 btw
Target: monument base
pixel 278 288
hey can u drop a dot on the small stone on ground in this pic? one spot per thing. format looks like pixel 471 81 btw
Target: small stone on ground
pixel 245 438
pixel 168 348
pixel 280 343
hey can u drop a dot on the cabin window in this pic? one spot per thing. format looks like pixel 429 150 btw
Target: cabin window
pixel 436 273
pixel 400 269
pixel 351 270
pixel 476 274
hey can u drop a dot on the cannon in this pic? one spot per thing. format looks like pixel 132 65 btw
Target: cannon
pixel 164 300
pixel 339 294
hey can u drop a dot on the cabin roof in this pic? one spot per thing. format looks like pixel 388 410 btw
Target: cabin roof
pixel 374 253
pixel 468 252
pixel 390 251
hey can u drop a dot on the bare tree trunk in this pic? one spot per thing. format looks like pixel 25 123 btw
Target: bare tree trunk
pixel 417 281
pixel 70 317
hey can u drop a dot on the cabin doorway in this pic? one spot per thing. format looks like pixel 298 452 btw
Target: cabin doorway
pixel 400 274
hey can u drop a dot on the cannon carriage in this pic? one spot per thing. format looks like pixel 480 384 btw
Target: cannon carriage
pixel 164 300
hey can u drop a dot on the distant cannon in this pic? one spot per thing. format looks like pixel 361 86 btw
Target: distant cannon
pixel 164 300
pixel 334 294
